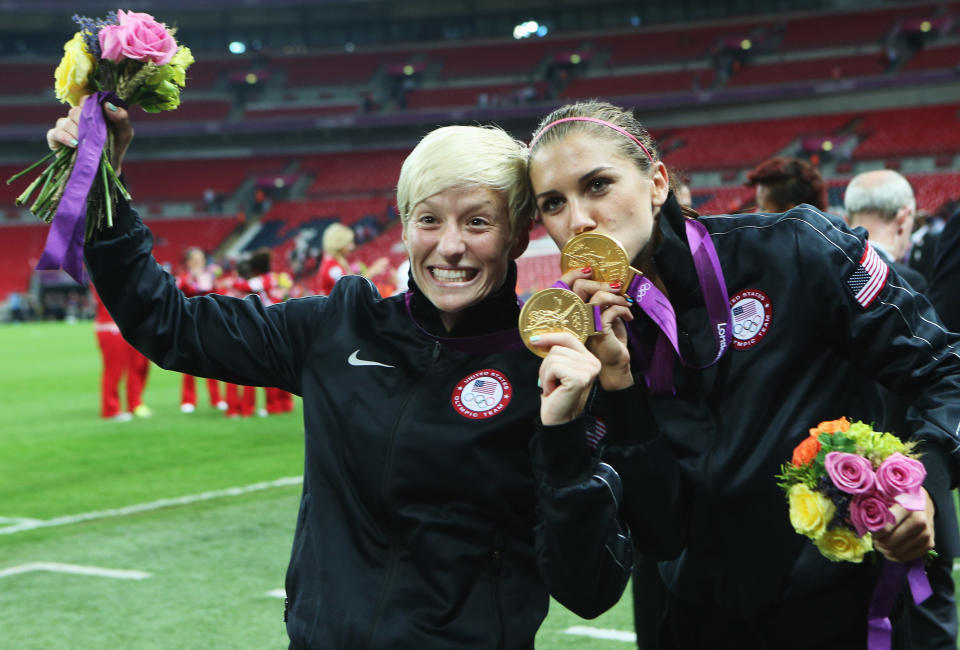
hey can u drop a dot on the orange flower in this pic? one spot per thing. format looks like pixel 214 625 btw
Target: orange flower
pixel 805 452
pixel 830 427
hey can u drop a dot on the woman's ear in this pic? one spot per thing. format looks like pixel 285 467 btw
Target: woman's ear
pixel 521 242
pixel 661 185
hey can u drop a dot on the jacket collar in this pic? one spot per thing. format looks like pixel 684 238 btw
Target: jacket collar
pixel 673 259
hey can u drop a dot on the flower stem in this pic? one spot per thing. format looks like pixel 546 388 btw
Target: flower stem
pixel 33 166
pixel 106 195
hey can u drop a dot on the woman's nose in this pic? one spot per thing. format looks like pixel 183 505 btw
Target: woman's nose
pixel 451 241
pixel 580 218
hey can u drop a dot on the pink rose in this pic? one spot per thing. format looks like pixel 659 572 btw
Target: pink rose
pixel 138 37
pixel 870 513
pixel 900 478
pixel 850 473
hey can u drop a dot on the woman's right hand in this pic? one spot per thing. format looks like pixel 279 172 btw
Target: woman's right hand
pixel 610 346
pixel 66 131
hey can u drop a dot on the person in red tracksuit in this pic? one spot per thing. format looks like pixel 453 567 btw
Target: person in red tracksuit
pixel 119 360
pixel 197 280
pixel 271 287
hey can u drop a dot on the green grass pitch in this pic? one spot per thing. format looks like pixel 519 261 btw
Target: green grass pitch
pixel 211 562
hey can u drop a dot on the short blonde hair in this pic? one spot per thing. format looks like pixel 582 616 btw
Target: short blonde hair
pixel 336 237
pixel 468 156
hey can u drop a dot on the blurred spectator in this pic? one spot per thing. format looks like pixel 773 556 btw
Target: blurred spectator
pixel 783 183
pixel 198 279
pixel 882 203
pixel 120 363
pixel 16 307
pixel 338 242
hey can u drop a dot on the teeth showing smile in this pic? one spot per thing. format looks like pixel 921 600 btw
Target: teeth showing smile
pixel 452 275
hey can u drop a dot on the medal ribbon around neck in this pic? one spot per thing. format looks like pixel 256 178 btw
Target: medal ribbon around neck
pixel 656 305
pixel 650 299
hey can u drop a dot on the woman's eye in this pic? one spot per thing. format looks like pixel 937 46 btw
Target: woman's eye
pixel 478 222
pixel 551 204
pixel 427 219
pixel 598 184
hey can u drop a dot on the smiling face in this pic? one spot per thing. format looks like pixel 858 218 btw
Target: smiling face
pixel 583 183
pixel 459 243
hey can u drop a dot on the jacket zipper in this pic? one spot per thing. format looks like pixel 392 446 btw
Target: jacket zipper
pixel 394 550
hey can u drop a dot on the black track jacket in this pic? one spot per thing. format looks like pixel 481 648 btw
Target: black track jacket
pixel 806 338
pixel 432 515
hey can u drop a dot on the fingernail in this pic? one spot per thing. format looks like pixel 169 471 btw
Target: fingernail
pixel 534 339
pixel 111 107
pixel 73 142
pixel 616 285
pixel 629 299
pixel 586 269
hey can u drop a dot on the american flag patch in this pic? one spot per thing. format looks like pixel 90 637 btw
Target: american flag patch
pixel 484 387
pixel 596 433
pixel 869 277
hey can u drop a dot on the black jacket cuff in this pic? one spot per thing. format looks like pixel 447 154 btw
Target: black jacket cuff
pixel 627 415
pixel 563 450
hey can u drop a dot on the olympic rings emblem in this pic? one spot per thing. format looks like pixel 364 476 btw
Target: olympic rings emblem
pixel 478 402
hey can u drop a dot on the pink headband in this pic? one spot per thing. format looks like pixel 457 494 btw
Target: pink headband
pixel 595 121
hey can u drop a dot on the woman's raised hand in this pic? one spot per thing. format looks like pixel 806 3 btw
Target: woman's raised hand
pixel 610 347
pixel 567 375
pixel 65 132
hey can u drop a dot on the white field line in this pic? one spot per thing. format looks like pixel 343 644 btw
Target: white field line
pixel 77 569
pixel 32 524
pixel 15 520
pixel 598 633
pixel 277 593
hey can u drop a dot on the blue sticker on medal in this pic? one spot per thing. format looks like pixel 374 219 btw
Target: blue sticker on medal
pixel 481 394
pixel 751 312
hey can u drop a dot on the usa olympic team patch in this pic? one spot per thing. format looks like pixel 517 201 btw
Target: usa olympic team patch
pixel 482 394
pixel 751 312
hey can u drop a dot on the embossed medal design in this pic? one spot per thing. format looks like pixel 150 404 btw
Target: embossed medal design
pixel 605 255
pixel 554 310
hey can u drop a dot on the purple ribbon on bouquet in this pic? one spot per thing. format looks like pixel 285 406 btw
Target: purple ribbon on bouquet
pixel 888 586
pixel 64 247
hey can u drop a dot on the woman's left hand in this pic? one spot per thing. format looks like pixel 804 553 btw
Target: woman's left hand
pixel 567 375
pixel 910 536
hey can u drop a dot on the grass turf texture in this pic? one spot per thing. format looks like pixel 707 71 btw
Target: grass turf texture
pixel 211 562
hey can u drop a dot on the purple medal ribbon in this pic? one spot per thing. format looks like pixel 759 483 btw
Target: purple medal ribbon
pixel 64 247
pixel 888 586
pixel 496 341
pixel 656 305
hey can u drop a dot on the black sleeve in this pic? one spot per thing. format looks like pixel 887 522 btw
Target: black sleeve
pixel 944 290
pixel 657 494
pixel 236 340
pixel 584 552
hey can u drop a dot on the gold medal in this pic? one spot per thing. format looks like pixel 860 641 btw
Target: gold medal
pixel 554 310
pixel 604 255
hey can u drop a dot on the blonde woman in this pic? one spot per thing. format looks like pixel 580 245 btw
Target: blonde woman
pixel 338 242
pixel 437 511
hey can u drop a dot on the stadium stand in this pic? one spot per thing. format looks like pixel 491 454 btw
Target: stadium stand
pixel 354 95
pixel 849 28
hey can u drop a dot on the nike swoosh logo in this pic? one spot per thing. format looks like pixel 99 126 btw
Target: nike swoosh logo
pixel 353 360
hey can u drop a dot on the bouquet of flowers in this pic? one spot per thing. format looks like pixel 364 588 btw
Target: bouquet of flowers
pixel 842 481
pixel 840 484
pixel 126 58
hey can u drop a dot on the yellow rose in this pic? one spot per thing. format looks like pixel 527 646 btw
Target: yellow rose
pixel 810 511
pixel 71 76
pixel 843 545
